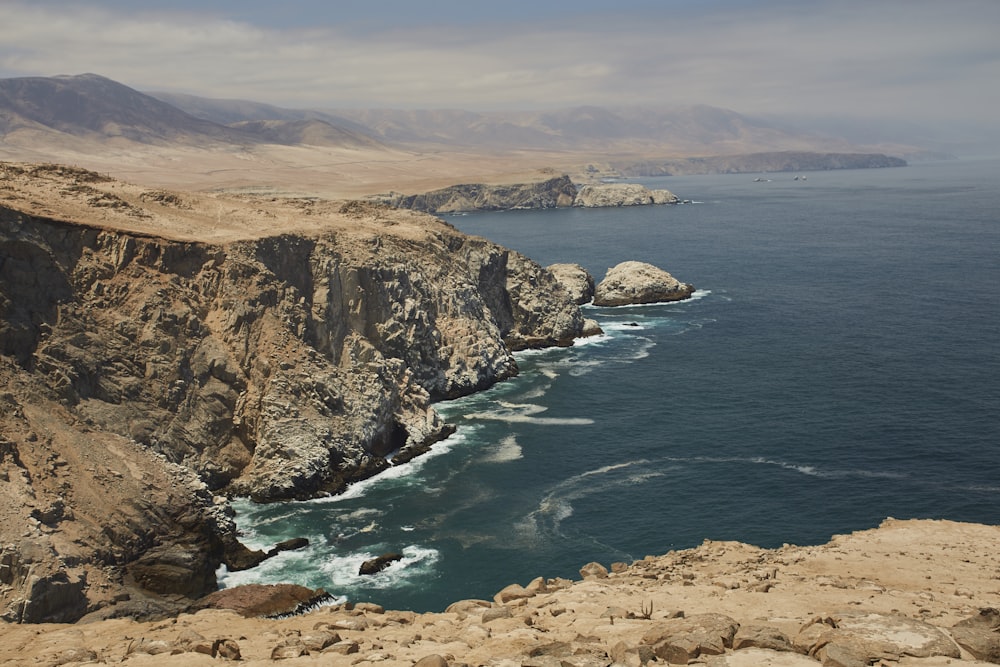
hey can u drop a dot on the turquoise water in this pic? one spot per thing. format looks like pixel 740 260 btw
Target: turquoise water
pixel 839 365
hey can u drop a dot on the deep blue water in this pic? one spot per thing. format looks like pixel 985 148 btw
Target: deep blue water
pixel 840 364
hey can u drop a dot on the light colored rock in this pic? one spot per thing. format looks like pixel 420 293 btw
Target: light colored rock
pixel 593 571
pixel 637 283
pixel 621 194
pixel 576 279
pixel 511 593
pixel 681 640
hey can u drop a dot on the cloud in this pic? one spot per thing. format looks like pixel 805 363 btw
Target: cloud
pixel 916 59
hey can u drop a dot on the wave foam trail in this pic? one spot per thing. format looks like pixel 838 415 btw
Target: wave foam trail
pixel 803 469
pixel 557 505
pixel 507 450
pixel 524 413
pixel 394 474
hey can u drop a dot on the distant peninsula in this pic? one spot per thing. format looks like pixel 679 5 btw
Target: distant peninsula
pixel 556 192
pixel 757 163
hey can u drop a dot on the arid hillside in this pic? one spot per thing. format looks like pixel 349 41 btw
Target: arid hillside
pixel 191 143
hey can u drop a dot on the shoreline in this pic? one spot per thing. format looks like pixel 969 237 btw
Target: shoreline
pixel 807 601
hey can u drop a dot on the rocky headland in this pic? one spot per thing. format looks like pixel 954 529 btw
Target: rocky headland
pixel 162 350
pixel 556 192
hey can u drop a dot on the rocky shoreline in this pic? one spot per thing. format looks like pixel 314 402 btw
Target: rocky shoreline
pixel 909 593
pixel 162 351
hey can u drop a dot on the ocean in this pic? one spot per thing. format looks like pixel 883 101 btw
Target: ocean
pixel 839 364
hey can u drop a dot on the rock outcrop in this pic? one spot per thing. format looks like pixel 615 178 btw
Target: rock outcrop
pixel 621 194
pixel 147 371
pixel 631 283
pixel 576 279
pixel 552 193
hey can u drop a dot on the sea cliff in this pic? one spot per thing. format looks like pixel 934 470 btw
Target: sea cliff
pixel 159 351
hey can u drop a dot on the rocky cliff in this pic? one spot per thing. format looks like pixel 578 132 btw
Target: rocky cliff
pixel 553 193
pixel 160 350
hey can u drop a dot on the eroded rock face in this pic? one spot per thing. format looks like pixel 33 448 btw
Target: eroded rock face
pixel 576 279
pixel 636 283
pixel 145 376
pixel 552 193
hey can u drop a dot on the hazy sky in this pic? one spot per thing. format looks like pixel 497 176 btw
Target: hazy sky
pixel 925 60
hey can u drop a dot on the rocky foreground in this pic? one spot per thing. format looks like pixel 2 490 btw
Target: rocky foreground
pixel 908 593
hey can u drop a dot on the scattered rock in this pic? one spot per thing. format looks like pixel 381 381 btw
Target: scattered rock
pixel 681 640
pixel 593 571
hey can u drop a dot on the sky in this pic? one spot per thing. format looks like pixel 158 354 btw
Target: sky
pixel 918 60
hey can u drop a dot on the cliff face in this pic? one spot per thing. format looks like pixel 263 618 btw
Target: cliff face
pixel 555 192
pixel 159 372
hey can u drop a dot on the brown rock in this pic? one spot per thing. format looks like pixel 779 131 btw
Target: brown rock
pixel 593 571
pixel 432 660
pixel 227 649
pixel 979 635
pixel 681 640
pixel 344 647
pixel 761 636
pixel 263 599
pixel 576 280
pixel 511 593
pixel 379 563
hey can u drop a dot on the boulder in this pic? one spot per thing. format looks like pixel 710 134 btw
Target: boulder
pixel 980 635
pixel 680 640
pixel 379 563
pixel 593 571
pixel 631 283
pixel 863 638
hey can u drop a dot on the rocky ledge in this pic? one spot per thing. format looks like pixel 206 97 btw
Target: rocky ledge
pixel 720 604
pixel 159 351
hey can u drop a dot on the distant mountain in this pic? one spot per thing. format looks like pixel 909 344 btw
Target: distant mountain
pixel 91 105
pixel 94 107
pixel 700 129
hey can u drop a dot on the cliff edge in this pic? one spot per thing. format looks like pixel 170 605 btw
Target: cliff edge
pixel 161 350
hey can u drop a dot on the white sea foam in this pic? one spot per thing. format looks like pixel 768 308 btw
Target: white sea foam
pixel 557 505
pixel 505 451
pixel 395 473
pixel 342 571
